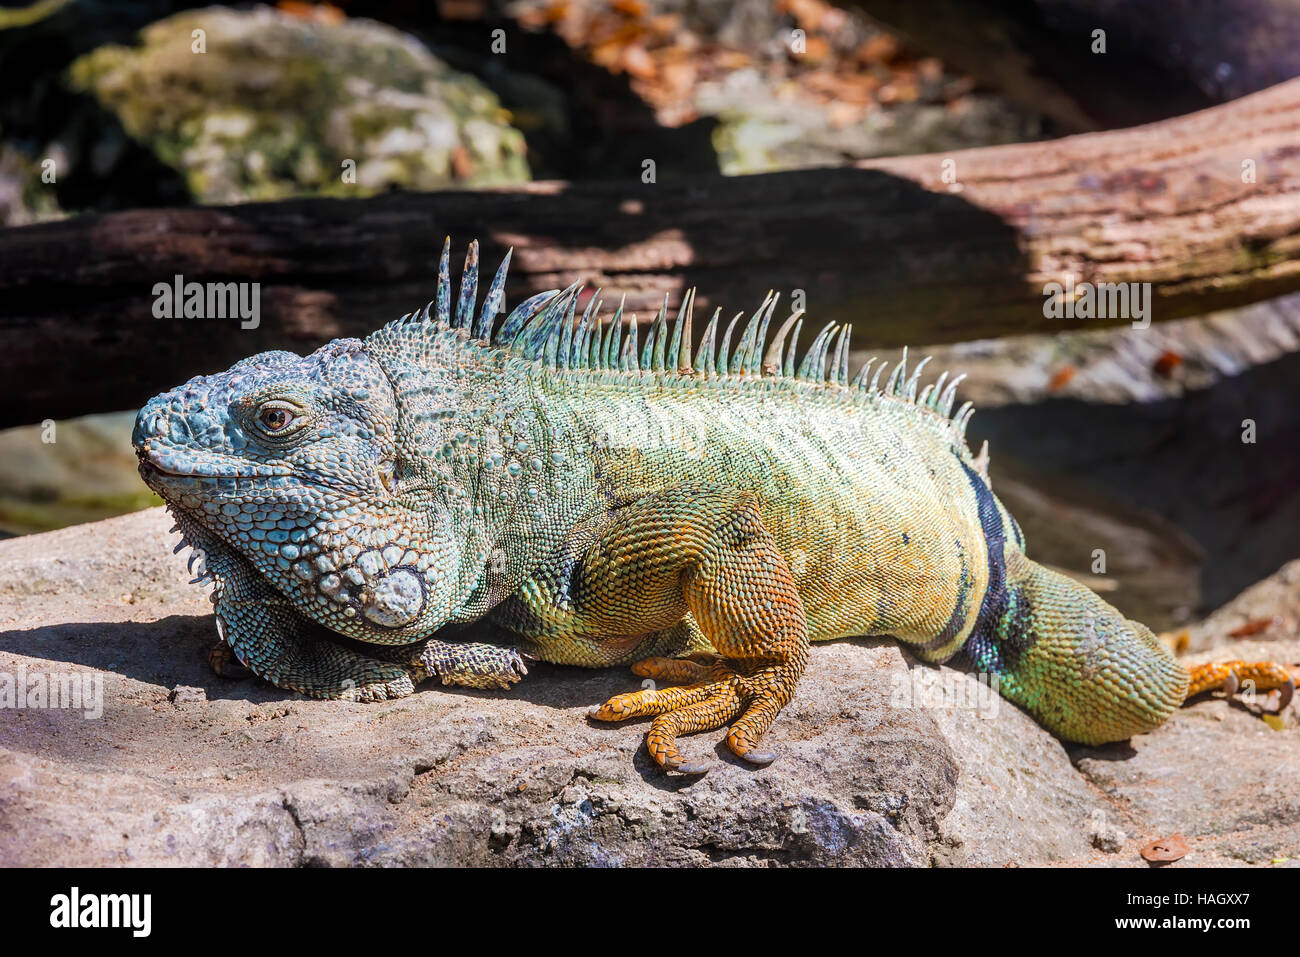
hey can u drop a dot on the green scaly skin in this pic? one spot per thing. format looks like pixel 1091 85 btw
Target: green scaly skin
pixel 604 503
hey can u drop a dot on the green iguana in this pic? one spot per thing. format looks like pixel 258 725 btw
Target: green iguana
pixel 703 517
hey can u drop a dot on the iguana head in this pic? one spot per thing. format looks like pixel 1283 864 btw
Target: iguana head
pixel 293 462
pixel 383 487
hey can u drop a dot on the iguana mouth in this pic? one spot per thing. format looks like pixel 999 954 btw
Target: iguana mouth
pixel 151 464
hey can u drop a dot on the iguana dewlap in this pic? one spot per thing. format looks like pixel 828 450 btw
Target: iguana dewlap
pixel 704 516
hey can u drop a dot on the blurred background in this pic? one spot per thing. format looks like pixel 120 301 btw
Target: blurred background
pixel 1108 439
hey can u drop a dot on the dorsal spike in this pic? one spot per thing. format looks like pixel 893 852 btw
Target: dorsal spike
pixel 754 359
pixel 595 339
pixel 442 295
pixel 679 353
pixel 772 358
pixel 925 395
pixel 631 344
pixel 860 380
pixel 896 377
pixel 557 332
pixel 837 356
pixel 494 301
pixel 578 350
pixel 708 342
pixel 468 288
pixel 748 340
pixel 614 338
pixel 563 336
pixel 812 360
pixel 520 316
pixel 648 349
pixel 875 379
pixel 965 421
pixel 530 341
pixel 909 390
pixel 961 418
pixel 726 345
pixel 938 388
pixel 582 337
pixel 944 405
pixel 820 368
pixel 787 364
pixel 661 337
pixel 840 374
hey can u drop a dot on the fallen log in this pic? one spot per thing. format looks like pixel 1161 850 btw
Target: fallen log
pixel 920 249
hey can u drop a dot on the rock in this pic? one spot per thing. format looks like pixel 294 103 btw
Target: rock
pixel 260 105
pixel 763 128
pixel 1266 611
pixel 186 694
pixel 1214 772
pixel 882 761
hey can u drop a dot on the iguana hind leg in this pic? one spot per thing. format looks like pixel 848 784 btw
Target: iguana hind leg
pixel 703 551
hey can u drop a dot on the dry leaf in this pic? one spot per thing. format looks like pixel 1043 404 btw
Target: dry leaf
pixel 1166 850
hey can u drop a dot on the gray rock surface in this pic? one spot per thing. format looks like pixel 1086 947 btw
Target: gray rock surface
pixel 260 105
pixel 183 767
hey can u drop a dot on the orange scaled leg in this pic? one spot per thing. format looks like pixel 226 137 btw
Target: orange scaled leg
pixel 706 552
pixel 1231 676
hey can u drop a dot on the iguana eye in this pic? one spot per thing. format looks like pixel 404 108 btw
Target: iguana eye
pixel 275 419
pixel 278 418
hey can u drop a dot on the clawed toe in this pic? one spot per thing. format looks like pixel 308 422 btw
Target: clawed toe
pixel 224 664
pixel 1234 677
pixel 679 671
pixel 1284 694
pixel 752 702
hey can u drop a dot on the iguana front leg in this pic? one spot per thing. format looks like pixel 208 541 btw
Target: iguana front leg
pixel 704 552
pixel 273 640
pixel 263 631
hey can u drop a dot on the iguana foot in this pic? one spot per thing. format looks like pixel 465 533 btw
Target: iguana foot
pixel 260 629
pixel 473 664
pixel 704 705
pixel 726 571
pixel 224 664
pixel 680 671
pixel 1233 676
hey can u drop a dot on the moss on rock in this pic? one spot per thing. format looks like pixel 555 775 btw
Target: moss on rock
pixel 259 105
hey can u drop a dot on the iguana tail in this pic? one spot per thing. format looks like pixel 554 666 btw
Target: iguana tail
pixel 1074 662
